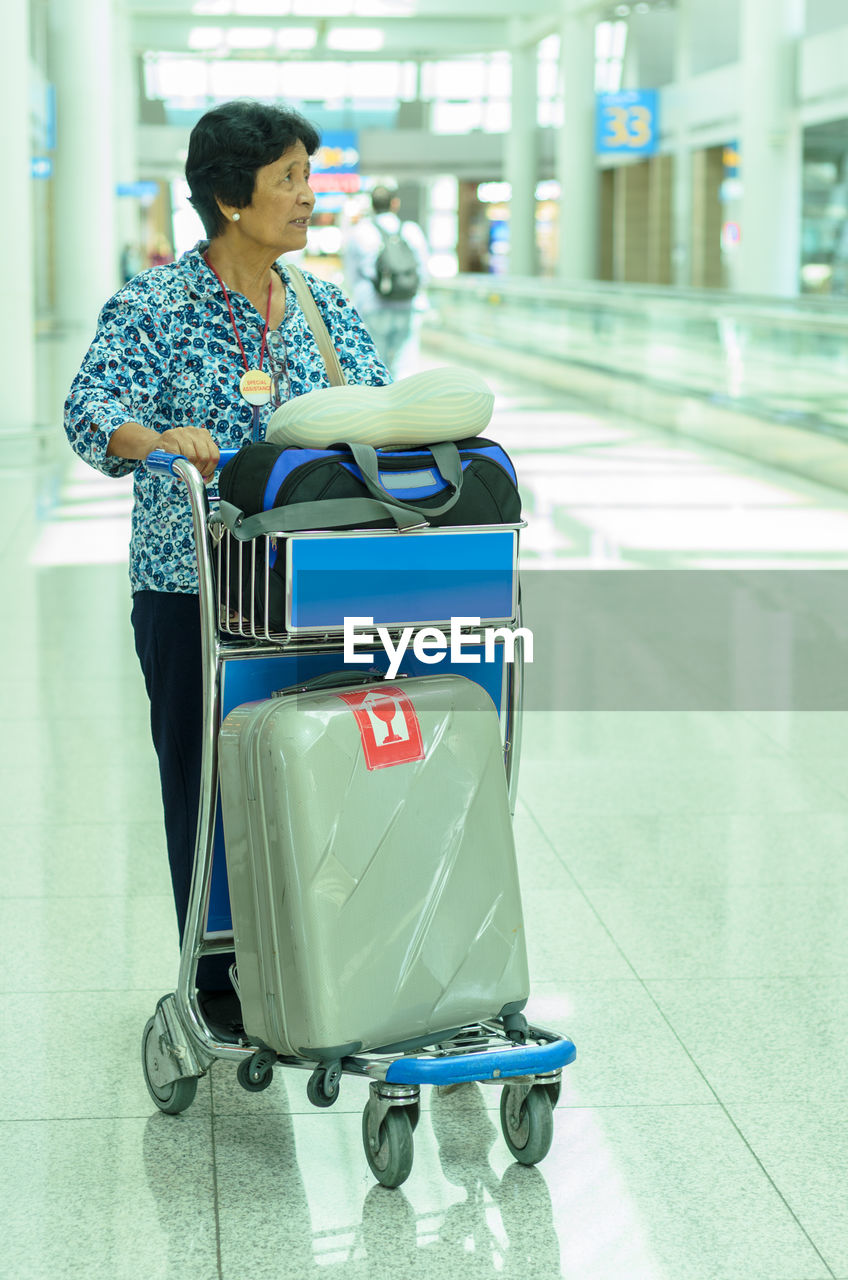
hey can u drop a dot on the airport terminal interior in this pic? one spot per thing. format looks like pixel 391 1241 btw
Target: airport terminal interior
pixel 661 317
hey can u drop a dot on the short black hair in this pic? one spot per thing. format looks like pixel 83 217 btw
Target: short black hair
pixel 382 197
pixel 227 146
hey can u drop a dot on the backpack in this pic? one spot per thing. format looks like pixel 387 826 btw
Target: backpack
pixel 397 278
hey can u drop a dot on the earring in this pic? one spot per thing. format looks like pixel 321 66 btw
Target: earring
pixel 236 217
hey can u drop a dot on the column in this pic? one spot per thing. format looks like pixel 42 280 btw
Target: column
pixel 575 154
pixel 770 147
pixel 521 166
pixel 124 147
pixel 17 315
pixel 85 237
pixel 683 175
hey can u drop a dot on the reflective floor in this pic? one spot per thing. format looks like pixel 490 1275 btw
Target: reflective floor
pixel 685 888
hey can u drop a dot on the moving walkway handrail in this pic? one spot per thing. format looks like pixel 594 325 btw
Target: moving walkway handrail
pixel 828 315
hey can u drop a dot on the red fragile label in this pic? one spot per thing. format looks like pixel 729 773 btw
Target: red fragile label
pixel 388 726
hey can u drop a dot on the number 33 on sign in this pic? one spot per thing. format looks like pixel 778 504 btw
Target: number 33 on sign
pixel 628 123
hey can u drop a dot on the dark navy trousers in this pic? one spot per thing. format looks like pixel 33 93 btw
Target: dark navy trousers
pixel 167 641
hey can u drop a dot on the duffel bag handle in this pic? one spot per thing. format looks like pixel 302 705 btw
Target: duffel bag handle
pixel 448 464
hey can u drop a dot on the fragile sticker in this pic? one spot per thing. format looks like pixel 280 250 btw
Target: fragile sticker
pixel 388 726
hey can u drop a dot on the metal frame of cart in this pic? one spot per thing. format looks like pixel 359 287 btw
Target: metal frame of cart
pixel 178 1046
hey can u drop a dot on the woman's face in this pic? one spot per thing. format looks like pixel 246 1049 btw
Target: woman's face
pixel 279 211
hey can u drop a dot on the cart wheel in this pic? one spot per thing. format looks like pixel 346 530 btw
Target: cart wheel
pixel 529 1135
pixel 174 1097
pixel 322 1087
pixel 391 1163
pixel 256 1072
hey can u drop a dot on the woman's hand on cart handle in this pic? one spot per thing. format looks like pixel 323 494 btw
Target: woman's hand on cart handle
pixel 159 460
pixel 192 443
pixel 132 440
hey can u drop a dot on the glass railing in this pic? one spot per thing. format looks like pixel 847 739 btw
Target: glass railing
pixel 780 359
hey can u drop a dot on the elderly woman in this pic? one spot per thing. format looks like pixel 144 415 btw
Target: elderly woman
pixel 166 371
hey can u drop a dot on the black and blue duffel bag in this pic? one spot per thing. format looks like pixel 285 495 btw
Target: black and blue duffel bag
pixel 268 489
pixel 469 482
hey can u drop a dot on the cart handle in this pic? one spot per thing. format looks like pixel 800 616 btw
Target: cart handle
pixel 162 463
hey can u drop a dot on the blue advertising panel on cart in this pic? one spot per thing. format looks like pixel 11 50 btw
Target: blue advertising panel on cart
pixel 401 581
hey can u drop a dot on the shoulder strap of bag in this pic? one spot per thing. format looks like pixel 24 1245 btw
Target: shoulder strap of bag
pixel 316 323
pixel 331 513
pixel 388 236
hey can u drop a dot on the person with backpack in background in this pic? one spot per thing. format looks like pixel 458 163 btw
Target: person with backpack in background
pixel 386 271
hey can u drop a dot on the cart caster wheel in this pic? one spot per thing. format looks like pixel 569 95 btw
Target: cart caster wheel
pixel 256 1072
pixel 322 1087
pixel 529 1131
pixel 391 1162
pixel 177 1095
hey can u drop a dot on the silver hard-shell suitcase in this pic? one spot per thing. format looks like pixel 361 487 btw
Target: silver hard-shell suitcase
pixel 371 865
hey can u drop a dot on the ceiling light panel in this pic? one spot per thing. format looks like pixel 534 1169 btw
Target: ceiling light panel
pixel 262 8
pixel 250 37
pixel 306 8
pixel 355 39
pixel 322 8
pixel 240 78
pixel 203 38
pixel 183 78
pixel 384 8
pixel 374 80
pixel 312 81
pixel 296 38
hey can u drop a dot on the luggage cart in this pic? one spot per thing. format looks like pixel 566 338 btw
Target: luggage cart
pixel 178 1044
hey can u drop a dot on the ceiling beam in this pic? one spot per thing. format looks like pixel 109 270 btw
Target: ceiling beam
pixel 406 38
pixel 469 10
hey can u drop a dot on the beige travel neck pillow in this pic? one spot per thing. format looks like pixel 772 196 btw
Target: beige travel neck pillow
pixel 437 404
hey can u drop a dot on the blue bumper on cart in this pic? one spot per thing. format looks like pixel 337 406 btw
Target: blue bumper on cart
pixel 497 1064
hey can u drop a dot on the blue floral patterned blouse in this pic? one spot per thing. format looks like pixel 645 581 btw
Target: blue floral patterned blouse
pixel 165 355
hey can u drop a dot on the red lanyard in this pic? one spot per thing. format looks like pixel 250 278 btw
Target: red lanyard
pixel 233 319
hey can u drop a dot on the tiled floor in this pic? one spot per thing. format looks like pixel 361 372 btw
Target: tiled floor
pixel 685 888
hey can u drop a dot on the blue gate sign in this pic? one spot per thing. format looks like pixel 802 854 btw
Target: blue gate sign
pixel 335 166
pixel 138 190
pixel 627 123
pixel 338 153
